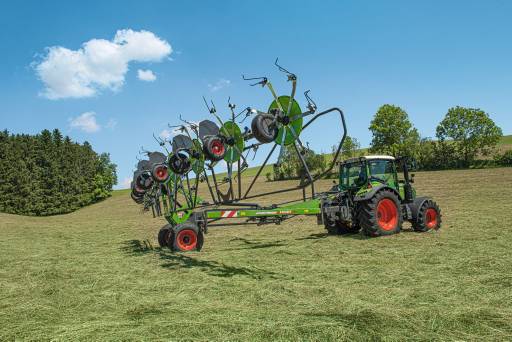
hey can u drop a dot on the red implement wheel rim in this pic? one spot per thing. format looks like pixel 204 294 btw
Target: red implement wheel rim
pixel 217 147
pixel 431 218
pixel 387 214
pixel 186 239
pixel 161 173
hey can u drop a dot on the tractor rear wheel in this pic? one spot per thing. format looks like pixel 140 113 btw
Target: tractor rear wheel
pixel 187 237
pixel 381 214
pixel 428 217
pixel 165 236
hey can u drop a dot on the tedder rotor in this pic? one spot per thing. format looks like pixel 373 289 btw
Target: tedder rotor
pixel 374 194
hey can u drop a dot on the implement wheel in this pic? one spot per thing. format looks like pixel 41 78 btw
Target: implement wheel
pixel 264 128
pixel 187 237
pixel 381 214
pixel 428 217
pixel 214 148
pixel 165 236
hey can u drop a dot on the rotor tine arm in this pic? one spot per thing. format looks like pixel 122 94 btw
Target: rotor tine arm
pixel 271 88
pixel 291 75
pixel 292 96
pixel 240 153
pixel 292 130
pixel 263 81
pixel 311 104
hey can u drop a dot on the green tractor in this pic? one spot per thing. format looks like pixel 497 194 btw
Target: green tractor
pixel 373 198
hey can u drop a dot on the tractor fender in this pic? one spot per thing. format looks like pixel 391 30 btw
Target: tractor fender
pixel 416 205
pixel 374 190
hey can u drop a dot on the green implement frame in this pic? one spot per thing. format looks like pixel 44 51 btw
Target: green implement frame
pixel 252 212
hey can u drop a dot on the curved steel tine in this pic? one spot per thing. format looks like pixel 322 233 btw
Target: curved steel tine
pixel 212 109
pixel 246 110
pixel 291 75
pixel 311 104
pixel 160 141
pixel 263 81
pixel 142 150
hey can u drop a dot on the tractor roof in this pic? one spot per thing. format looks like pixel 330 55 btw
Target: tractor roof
pixel 351 160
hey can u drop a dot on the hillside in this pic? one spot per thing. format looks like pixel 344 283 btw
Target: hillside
pixel 504 145
pixel 96 274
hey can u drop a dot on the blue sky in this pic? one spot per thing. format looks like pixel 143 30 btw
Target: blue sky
pixel 357 55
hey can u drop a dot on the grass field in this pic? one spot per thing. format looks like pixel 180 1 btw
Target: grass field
pixel 91 275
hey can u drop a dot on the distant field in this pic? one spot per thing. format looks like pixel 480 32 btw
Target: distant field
pixel 505 143
pixel 97 274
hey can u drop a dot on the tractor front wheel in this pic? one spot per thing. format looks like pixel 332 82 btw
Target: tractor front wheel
pixel 381 214
pixel 428 217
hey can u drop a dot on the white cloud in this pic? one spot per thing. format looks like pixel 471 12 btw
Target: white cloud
pixel 221 83
pixel 166 134
pixel 112 123
pixel 85 122
pixel 98 64
pixel 125 184
pixel 146 75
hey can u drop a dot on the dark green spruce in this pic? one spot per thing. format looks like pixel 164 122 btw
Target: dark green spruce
pixel 48 174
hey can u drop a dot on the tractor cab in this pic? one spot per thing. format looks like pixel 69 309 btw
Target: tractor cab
pixel 361 175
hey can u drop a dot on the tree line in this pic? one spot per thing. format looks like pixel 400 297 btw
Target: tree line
pixel 463 138
pixel 48 174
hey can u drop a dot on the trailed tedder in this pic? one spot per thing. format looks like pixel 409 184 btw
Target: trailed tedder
pixel 373 195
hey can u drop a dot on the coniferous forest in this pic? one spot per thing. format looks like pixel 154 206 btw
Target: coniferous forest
pixel 48 174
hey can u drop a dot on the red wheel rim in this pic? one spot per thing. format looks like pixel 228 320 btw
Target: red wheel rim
pixel 431 218
pixel 387 214
pixel 186 240
pixel 217 147
pixel 161 173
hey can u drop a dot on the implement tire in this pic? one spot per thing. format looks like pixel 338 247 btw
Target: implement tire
pixel 263 128
pixel 214 148
pixel 165 236
pixel 428 217
pixel 187 237
pixel 381 214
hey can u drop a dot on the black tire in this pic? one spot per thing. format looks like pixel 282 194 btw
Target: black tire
pixel 179 163
pixel 144 180
pixel 263 128
pixel 165 236
pixel 214 148
pixel 381 214
pixel 136 198
pixel 137 191
pixel 187 237
pixel 336 227
pixel 428 217
pixel 160 172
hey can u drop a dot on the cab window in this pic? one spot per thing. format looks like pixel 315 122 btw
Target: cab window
pixel 382 171
pixel 353 175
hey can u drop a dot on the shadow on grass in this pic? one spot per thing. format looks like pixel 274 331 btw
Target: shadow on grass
pixel 175 261
pixel 256 244
pixel 354 236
